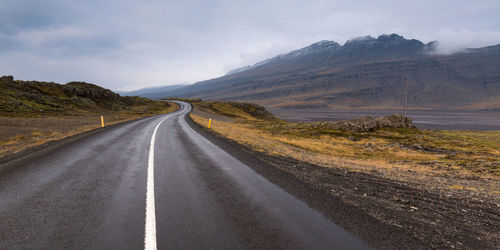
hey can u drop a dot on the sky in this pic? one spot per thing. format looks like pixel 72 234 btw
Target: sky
pixel 127 45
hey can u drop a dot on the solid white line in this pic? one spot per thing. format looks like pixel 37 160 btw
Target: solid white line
pixel 150 228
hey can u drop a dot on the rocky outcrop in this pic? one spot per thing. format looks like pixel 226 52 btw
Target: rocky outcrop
pixel 91 91
pixel 33 99
pixel 365 124
pixel 8 79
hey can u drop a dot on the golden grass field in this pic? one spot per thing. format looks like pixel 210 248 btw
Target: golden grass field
pixel 33 112
pixel 454 160
pixel 20 133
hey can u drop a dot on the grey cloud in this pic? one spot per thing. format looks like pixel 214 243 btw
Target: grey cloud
pixel 8 43
pixel 21 15
pixel 132 44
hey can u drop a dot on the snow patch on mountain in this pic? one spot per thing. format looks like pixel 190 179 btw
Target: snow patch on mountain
pixel 314 48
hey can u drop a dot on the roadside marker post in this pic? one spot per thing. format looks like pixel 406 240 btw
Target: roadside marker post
pixel 102 121
pixel 209 122
pixel 406 94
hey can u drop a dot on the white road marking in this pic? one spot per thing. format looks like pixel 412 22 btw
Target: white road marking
pixel 150 228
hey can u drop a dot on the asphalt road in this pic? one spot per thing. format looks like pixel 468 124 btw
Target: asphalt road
pixel 98 191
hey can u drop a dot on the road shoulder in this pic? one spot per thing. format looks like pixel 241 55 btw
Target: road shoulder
pixel 285 173
pixel 10 161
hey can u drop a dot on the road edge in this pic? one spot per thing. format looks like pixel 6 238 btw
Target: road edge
pixel 369 229
pixel 9 161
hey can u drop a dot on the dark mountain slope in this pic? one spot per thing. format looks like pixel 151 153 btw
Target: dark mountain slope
pixel 152 93
pixel 364 73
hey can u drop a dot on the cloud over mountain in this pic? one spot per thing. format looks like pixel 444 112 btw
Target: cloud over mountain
pixel 126 44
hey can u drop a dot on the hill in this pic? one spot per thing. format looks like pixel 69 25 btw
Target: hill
pixel 364 73
pixel 35 114
pixel 35 99
pixel 154 93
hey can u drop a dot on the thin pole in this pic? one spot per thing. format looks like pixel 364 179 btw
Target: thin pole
pixel 406 94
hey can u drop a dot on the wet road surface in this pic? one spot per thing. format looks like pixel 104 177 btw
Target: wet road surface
pixel 93 192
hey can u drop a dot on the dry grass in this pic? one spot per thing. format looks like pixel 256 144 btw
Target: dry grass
pixel 435 159
pixel 20 133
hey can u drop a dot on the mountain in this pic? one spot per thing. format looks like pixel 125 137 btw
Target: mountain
pixel 34 99
pixel 315 48
pixel 152 93
pixel 365 72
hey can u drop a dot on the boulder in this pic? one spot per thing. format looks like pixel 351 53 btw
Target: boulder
pixel 365 124
pixel 88 90
pixel 7 79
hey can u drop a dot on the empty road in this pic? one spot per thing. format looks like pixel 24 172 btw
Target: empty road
pixel 152 183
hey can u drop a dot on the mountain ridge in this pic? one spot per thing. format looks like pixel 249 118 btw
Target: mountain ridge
pixel 364 73
pixel 362 42
pixel 152 92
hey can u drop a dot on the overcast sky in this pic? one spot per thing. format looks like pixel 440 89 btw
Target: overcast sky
pixel 125 44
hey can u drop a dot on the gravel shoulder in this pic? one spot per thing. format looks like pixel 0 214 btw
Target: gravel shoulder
pixel 386 213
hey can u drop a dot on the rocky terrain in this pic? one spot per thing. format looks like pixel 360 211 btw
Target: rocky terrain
pixel 36 99
pixel 365 124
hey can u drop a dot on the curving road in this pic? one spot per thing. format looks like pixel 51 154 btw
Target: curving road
pixel 153 182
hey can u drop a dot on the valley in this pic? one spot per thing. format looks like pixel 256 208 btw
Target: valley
pixel 249 124
pixel 364 73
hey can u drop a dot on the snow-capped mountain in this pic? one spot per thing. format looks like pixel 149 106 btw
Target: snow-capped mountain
pixel 331 47
pixel 365 72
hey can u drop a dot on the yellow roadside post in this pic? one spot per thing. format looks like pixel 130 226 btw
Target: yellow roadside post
pixel 209 122
pixel 102 121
